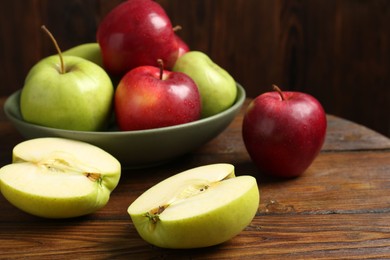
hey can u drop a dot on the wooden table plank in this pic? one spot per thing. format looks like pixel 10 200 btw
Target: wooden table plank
pixel 291 236
pixel 346 135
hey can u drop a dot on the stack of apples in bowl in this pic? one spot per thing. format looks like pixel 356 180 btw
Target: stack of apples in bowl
pixel 138 92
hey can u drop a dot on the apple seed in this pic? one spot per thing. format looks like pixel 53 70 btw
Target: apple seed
pixel 93 176
pixel 153 215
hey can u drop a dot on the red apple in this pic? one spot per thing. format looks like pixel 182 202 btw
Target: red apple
pixel 149 97
pixel 136 33
pixel 284 131
pixel 182 45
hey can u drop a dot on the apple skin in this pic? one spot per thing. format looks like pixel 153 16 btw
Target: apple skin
pixel 195 217
pixel 80 99
pixel 136 33
pixel 48 177
pixel 89 51
pixel 207 229
pixel 144 101
pixel 182 45
pixel 283 137
pixel 217 87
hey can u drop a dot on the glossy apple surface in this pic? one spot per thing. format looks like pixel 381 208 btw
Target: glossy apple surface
pixel 80 98
pixel 89 51
pixel 136 33
pixel 284 136
pixel 182 45
pixel 145 100
pixel 59 178
pixel 200 207
pixel 216 86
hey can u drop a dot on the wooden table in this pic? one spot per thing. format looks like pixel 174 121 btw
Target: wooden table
pixel 339 208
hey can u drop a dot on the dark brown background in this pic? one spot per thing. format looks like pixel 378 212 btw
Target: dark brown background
pixel 336 50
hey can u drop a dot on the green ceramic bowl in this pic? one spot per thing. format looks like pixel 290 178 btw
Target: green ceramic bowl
pixel 135 149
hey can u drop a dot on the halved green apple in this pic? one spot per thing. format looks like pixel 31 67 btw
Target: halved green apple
pixel 200 207
pixel 59 178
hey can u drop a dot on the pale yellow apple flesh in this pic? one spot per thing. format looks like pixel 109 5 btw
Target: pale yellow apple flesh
pixel 59 178
pixel 201 207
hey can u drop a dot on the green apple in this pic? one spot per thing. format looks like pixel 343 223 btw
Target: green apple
pixel 79 99
pixel 217 87
pixel 89 51
pixel 200 207
pixel 67 92
pixel 59 178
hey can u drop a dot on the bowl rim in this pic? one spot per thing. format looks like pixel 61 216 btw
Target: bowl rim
pixel 241 95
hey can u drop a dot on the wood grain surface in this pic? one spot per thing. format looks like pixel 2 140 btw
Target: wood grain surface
pixel 339 208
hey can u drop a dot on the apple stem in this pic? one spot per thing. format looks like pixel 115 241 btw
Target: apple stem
pixel 62 68
pixel 177 28
pixel 276 88
pixel 161 65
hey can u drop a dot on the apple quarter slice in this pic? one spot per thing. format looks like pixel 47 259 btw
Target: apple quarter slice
pixel 59 178
pixel 200 207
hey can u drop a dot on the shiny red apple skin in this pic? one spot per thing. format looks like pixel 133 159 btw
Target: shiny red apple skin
pixel 182 45
pixel 136 33
pixel 283 137
pixel 144 101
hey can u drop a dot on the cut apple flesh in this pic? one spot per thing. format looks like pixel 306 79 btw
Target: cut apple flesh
pixel 25 176
pixel 180 186
pixel 200 207
pixel 58 178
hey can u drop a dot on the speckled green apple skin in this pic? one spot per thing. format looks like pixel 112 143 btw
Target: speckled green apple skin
pixel 216 86
pixel 80 99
